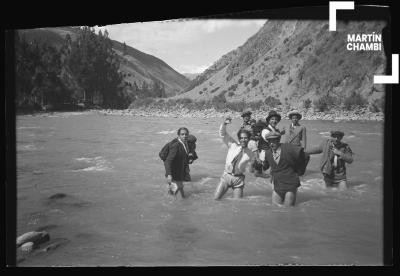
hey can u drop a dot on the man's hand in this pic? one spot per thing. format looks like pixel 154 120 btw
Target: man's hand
pixel 227 120
pixel 337 152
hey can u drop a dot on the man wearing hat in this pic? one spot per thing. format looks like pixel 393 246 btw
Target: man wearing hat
pixel 246 115
pixel 287 163
pixel 297 133
pixel 272 120
pixel 259 145
pixel 335 155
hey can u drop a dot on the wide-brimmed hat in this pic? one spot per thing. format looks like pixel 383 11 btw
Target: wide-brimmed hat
pixel 337 133
pixel 272 135
pixel 273 113
pixel 294 112
pixel 246 113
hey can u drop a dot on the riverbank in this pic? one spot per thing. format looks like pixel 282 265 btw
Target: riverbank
pixel 362 114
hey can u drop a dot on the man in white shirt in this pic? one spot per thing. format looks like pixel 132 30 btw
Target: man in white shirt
pixel 238 158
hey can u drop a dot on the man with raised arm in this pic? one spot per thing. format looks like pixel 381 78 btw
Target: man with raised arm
pixel 238 158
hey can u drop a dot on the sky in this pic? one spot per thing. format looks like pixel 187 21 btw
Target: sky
pixel 188 46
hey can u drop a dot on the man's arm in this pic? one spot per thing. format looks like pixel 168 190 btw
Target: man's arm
pixel 303 141
pixel 226 138
pixel 346 155
pixel 173 151
pixel 264 133
pixel 317 149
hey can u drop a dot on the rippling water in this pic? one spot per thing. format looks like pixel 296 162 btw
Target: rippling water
pixel 96 183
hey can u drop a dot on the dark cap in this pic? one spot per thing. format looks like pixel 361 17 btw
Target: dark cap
pixel 273 113
pixel 246 113
pixel 337 133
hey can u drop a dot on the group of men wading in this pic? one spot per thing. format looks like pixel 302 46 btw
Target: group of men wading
pixel 259 149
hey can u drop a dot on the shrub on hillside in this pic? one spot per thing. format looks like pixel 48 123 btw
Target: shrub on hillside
pixel 324 103
pixel 236 106
pixel 199 105
pixel 256 105
pixel 278 69
pixel 231 93
pixel 141 102
pixel 254 82
pixel 246 83
pixel 215 89
pixel 233 87
pixel 272 101
pixel 377 105
pixel 240 80
pixel 184 101
pixel 307 103
pixel 302 45
pixel 354 100
pixel 219 101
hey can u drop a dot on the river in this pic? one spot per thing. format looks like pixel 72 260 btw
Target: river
pixel 95 183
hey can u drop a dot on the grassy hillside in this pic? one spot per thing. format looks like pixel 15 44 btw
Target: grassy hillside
pixel 294 61
pixel 136 66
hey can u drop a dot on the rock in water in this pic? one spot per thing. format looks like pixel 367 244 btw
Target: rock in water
pixel 35 237
pixel 27 247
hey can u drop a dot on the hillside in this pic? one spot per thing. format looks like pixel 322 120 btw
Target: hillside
pixel 136 66
pixel 190 76
pixel 293 61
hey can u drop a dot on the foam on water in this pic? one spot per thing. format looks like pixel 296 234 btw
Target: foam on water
pixel 314 184
pixel 28 127
pixel 62 115
pixel 99 164
pixel 204 180
pixel 325 134
pixel 28 147
pixel 166 132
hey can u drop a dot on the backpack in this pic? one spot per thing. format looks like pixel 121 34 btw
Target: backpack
pixel 192 148
pixel 165 150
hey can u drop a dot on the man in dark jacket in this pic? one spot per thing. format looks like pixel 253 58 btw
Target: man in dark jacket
pixel 335 155
pixel 177 163
pixel 287 163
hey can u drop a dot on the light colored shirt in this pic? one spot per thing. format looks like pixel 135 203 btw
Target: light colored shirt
pixel 233 149
pixel 265 131
pixel 185 146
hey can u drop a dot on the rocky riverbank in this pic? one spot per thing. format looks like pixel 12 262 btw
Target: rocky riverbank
pixel 308 114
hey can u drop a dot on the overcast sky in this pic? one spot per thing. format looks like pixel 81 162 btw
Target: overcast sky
pixel 188 46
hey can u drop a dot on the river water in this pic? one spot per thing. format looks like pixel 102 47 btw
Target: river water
pixel 95 183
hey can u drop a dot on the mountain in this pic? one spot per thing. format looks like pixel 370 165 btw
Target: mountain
pixel 136 66
pixel 293 61
pixel 190 76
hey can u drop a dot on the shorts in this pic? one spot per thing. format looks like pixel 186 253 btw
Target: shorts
pixel 282 192
pixel 333 183
pixel 233 181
